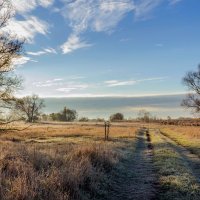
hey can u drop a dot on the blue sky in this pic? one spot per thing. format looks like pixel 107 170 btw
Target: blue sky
pixel 89 48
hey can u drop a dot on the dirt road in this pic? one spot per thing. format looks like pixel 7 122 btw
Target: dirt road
pixel 136 178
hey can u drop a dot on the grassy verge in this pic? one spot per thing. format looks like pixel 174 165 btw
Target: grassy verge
pixel 189 137
pixel 175 179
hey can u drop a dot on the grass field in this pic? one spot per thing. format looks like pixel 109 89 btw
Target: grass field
pixel 175 178
pixel 72 161
pixel 61 161
pixel 188 136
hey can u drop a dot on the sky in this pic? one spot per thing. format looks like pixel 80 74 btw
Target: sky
pixel 95 48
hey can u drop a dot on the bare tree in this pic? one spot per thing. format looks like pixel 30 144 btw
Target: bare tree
pixel 144 115
pixel 192 81
pixel 30 107
pixel 10 48
pixel 6 12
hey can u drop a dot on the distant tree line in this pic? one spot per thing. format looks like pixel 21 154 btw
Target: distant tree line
pixel 66 115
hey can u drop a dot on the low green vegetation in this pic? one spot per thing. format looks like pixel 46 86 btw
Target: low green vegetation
pixel 175 179
pixel 66 115
pixel 189 137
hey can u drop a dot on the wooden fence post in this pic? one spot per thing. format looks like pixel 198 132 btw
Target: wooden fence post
pixel 108 129
pixel 105 130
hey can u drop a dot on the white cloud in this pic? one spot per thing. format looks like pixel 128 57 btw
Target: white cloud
pixel 49 83
pixel 81 15
pixel 24 6
pixel 21 61
pixel 28 26
pixel 102 16
pixel 45 3
pixel 50 50
pixel 38 53
pixel 68 82
pixel 152 79
pixel 115 83
pixel 43 52
pixel 98 15
pixel 73 43
pixel 144 7
pixel 61 85
pixel 72 87
pixel 26 29
pixel 172 2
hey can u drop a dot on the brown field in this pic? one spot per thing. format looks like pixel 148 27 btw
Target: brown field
pixel 73 161
pixel 46 132
pixel 59 161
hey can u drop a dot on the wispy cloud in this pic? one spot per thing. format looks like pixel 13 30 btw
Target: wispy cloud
pixel 73 43
pixel 28 26
pixel 43 52
pixel 115 83
pixel 26 29
pixel 98 15
pixel 144 7
pixel 22 60
pixel 63 85
pixel 172 2
pixel 49 83
pixel 101 16
pixel 72 87
pixel 24 6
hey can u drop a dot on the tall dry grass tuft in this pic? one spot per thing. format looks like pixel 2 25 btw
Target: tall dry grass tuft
pixel 50 172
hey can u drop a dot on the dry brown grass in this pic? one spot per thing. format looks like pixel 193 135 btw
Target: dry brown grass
pixel 60 162
pixel 191 132
pixel 44 132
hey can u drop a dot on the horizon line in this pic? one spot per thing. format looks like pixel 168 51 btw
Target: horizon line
pixel 111 96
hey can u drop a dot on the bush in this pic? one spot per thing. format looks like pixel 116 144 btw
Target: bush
pixel 83 119
pixel 117 117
